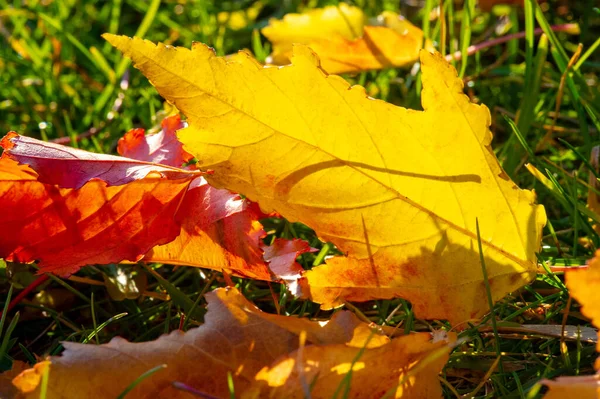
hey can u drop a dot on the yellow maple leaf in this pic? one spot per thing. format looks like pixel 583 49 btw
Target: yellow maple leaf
pixel 342 20
pixel 398 190
pixel 237 339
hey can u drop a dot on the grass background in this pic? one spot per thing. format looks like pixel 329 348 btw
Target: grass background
pixel 60 81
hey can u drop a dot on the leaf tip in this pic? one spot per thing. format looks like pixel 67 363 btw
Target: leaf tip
pixel 115 40
pixel 6 143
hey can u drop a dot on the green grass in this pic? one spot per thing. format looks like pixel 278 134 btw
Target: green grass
pixel 61 81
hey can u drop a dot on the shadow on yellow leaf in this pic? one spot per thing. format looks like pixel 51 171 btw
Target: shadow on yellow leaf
pixel 239 339
pixel 398 190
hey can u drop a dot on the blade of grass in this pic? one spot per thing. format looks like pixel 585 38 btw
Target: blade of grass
pixel 580 156
pixel 101 327
pixel 94 322
pixel 44 382
pixel 465 34
pixel 488 292
pixel 521 139
pixel 141 378
pixel 5 310
pixel 6 337
pixel 179 298
pixel 587 54
pixel 529 40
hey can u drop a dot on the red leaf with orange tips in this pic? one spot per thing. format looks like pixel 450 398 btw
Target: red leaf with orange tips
pixel 72 168
pixel 124 209
pixel 162 147
pixel 67 228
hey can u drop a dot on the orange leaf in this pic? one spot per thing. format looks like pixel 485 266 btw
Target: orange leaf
pixel 342 20
pixel 379 47
pixel 341 41
pixel 155 216
pixel 219 230
pixel 7 389
pixel 393 368
pixel 584 285
pixel 236 338
pixel 72 168
pixel 68 228
pixel 29 379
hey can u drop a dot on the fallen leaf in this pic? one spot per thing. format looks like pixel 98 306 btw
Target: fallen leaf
pixel 72 168
pixel 219 230
pixel 236 338
pixel 155 218
pixel 162 147
pixel 67 228
pixel 395 43
pixel 399 190
pixel 580 387
pixel 28 380
pixel 7 389
pixel 342 20
pixel 391 368
pixel 584 285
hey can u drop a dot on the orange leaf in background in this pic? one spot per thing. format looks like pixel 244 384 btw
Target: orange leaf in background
pixel 342 20
pixel 400 191
pixel 584 285
pixel 374 373
pixel 395 44
pixel 236 338
pixel 68 228
pixel 347 46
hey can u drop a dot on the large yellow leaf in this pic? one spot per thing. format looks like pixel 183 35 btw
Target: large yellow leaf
pixel 341 20
pixel 237 339
pixel 398 190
